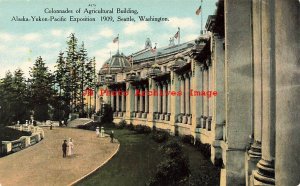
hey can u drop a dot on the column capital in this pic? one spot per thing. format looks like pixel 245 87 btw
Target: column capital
pixel 164 83
pixel 187 75
pixel 181 77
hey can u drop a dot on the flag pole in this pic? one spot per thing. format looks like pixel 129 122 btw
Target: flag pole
pixel 155 54
pixel 118 42
pixel 201 17
pixel 179 35
pixel 109 63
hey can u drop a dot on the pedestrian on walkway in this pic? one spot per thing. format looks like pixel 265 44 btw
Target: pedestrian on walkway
pixel 70 147
pixel 112 136
pixel 102 132
pixel 97 132
pixel 64 148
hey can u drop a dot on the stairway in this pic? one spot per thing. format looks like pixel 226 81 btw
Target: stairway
pixel 79 121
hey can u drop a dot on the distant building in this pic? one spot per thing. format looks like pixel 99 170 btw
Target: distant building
pixel 250 57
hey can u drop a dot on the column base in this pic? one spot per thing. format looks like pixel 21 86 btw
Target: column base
pixel 265 173
pixel 255 150
pixel 144 115
pixel 179 118
pixel 189 120
pixel 184 119
pixel 209 120
pixel 156 116
pixel 161 117
pixel 204 119
pixel 120 114
pixel 251 159
pixel 167 117
pixel 198 122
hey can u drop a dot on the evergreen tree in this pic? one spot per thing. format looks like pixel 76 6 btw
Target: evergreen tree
pixel 6 98
pixel 41 89
pixel 61 81
pixel 72 71
pixel 82 59
pixel 90 80
pixel 20 102
pixel 14 103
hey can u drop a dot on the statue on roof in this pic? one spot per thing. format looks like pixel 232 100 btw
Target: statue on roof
pixel 172 43
pixel 148 43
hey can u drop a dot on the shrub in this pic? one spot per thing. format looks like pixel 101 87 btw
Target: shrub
pixel 130 126
pixel 121 124
pixel 189 139
pixel 107 114
pixel 160 136
pixel 203 148
pixel 142 129
pixel 147 130
pixel 173 169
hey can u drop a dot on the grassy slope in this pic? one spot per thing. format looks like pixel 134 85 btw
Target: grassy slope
pixel 136 162
pixel 133 165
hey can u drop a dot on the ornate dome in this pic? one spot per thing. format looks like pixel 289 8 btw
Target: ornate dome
pixel 115 63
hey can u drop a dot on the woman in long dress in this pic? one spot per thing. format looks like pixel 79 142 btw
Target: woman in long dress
pixel 97 132
pixel 70 147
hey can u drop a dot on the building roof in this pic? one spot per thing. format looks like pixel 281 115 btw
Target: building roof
pixel 147 54
pixel 115 63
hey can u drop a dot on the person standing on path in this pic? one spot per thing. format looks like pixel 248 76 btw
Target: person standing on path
pixel 70 147
pixel 97 132
pixel 112 136
pixel 64 148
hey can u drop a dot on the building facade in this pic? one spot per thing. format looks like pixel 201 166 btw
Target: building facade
pixel 235 88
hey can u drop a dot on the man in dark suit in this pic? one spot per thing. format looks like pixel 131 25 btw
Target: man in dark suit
pixel 64 148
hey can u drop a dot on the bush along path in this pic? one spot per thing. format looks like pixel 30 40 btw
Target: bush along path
pixel 152 157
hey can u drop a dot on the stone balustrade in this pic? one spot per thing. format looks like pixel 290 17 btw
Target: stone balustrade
pixel 37 134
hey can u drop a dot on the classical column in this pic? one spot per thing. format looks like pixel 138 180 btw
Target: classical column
pixel 266 172
pixel 164 96
pixel 169 97
pixel 205 99
pixel 175 102
pixel 112 101
pixel 187 95
pixel 158 98
pixel 218 101
pixel 287 39
pixel 210 99
pixel 136 101
pixel 146 99
pixel 201 86
pixel 255 150
pixel 141 100
pixel 238 92
pixel 118 101
pixel 182 97
pixel 151 102
pixel 129 100
pixel 123 101
pixel 196 104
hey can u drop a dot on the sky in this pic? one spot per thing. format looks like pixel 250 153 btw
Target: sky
pixel 21 42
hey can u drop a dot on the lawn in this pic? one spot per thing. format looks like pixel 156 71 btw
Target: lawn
pixel 136 162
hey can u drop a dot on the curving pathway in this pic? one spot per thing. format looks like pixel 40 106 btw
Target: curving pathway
pixel 42 164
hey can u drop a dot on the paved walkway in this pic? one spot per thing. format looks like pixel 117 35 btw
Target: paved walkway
pixel 42 164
